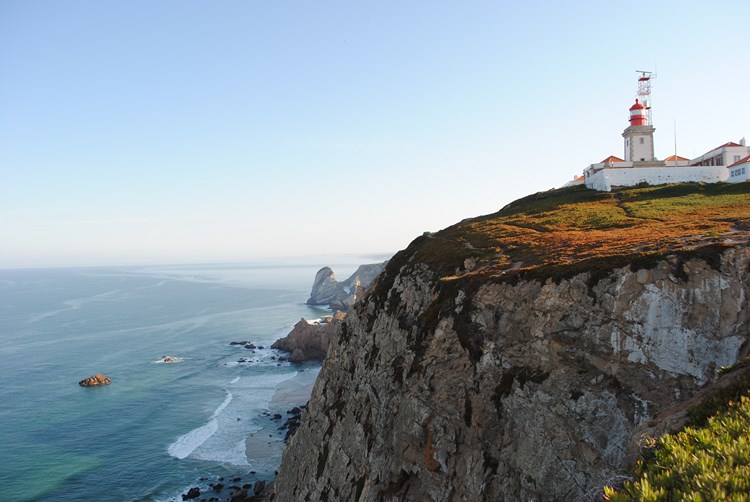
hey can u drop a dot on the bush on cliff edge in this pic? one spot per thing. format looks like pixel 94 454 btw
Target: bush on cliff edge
pixel 709 460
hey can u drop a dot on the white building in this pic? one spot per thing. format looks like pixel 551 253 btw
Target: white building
pixel 728 162
pixel 739 171
pixel 724 155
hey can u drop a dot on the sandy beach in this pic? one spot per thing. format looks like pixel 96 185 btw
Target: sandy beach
pixel 295 391
pixel 267 444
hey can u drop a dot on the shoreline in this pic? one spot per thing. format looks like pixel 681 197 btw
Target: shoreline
pixel 264 448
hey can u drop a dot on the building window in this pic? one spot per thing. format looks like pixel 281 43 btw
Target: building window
pixel 641 140
pixel 736 158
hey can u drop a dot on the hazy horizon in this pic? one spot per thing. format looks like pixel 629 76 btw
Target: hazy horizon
pixel 323 260
pixel 189 132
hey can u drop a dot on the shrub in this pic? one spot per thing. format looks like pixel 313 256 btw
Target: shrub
pixel 709 460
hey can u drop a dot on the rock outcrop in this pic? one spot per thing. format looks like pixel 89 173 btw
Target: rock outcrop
pixel 467 374
pixel 95 380
pixel 309 341
pixel 511 391
pixel 326 290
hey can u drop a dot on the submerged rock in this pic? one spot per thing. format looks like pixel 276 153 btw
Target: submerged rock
pixel 95 380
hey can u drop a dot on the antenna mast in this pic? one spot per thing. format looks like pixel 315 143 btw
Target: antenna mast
pixel 644 90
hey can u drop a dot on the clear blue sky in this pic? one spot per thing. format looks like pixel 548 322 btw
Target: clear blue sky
pixel 164 131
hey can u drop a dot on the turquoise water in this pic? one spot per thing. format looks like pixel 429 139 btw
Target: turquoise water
pixel 158 428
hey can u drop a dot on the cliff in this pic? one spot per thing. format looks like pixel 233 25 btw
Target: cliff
pixel 309 341
pixel 326 290
pixel 516 356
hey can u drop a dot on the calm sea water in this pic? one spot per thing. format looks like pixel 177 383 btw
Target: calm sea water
pixel 158 428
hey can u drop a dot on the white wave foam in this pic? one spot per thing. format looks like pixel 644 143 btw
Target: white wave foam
pixel 223 405
pixel 187 443
pixel 225 452
pixel 168 360
pixel 76 303
pixel 222 439
pixel 157 285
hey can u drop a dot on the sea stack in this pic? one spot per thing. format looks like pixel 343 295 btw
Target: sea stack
pixel 95 381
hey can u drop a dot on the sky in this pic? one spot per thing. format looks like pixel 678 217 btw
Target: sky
pixel 179 131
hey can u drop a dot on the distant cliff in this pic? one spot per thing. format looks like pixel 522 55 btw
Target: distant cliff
pixel 326 290
pixel 515 356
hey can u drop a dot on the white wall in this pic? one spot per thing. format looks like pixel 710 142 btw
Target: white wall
pixel 605 179
pixel 741 173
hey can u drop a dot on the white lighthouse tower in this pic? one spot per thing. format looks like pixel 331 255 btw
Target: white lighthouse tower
pixel 639 135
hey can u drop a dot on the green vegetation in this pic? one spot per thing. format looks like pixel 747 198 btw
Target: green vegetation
pixel 563 232
pixel 708 460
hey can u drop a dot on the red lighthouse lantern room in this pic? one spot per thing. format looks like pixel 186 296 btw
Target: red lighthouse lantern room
pixel 638 115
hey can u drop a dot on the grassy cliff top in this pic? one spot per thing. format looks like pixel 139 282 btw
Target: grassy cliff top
pixel 566 231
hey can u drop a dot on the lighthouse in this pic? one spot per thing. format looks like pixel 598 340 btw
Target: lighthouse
pixel 728 162
pixel 639 135
pixel 638 114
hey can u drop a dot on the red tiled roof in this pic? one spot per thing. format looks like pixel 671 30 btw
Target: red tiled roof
pixel 725 145
pixel 578 178
pixel 672 158
pixel 612 158
pixel 741 161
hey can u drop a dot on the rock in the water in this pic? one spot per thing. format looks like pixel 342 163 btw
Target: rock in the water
pixel 309 341
pixel 298 356
pixel 193 493
pixel 95 380
pixel 259 486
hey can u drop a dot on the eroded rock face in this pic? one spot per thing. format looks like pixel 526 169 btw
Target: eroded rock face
pixel 443 390
pixel 309 341
pixel 95 380
pixel 326 290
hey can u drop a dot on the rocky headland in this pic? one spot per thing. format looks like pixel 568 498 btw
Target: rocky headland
pixel 326 290
pixel 520 355
pixel 309 341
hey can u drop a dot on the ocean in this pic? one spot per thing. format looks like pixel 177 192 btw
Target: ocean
pixel 159 428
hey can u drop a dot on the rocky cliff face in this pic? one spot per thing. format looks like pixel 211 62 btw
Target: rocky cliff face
pixel 326 290
pixel 530 390
pixel 515 356
pixel 309 341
